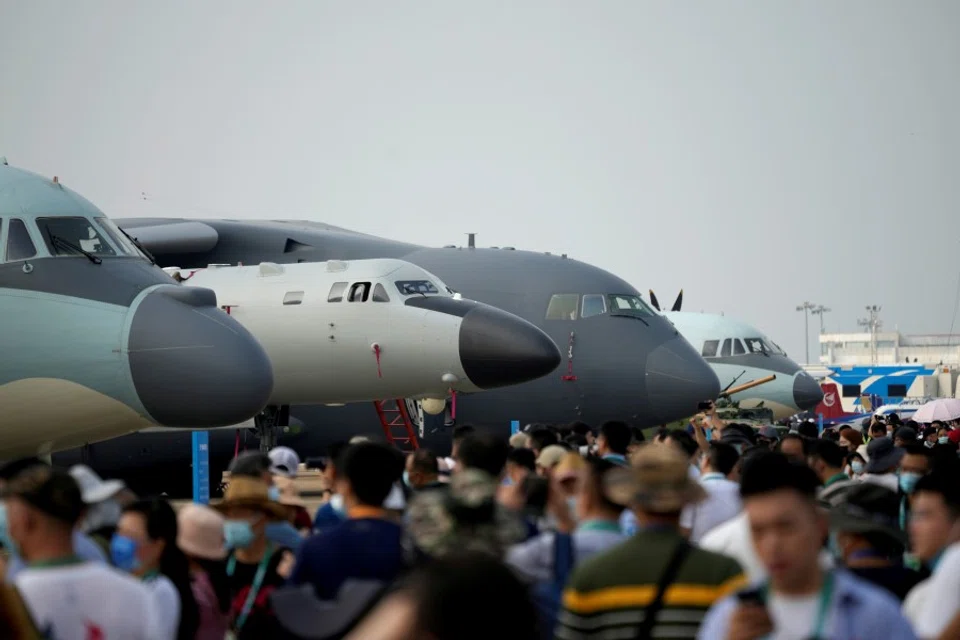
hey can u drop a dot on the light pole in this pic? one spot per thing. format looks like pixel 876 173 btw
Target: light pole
pixel 806 307
pixel 873 324
pixel 819 310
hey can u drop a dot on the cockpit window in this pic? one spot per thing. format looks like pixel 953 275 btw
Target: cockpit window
pixel 64 236
pixel 628 305
pixel 759 345
pixel 416 287
pixel 725 349
pixel 380 294
pixel 359 292
pixel 119 239
pixel 710 348
pixel 563 306
pixel 19 244
pixel 738 349
pixel 594 304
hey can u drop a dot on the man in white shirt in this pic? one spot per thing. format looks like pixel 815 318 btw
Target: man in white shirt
pixel 67 597
pixel 723 495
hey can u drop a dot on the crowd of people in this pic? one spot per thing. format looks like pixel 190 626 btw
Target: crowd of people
pixel 715 531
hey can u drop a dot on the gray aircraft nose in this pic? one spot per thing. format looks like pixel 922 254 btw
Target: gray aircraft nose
pixel 678 379
pixel 498 349
pixel 807 394
pixel 192 364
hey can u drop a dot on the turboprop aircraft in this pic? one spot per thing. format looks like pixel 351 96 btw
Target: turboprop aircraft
pixel 357 331
pixel 739 354
pixel 96 340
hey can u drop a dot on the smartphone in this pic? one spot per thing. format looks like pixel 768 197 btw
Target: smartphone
pixel 751 597
pixel 705 406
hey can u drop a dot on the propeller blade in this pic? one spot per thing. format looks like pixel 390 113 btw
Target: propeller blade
pixel 679 301
pixel 654 301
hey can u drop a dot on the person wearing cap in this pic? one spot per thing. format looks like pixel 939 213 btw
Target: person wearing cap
pixel 883 461
pixel 67 596
pixel 801 598
pixel 103 509
pixel 549 458
pixel 768 436
pixel 621 584
pixel 367 545
pixel 84 546
pixel 200 538
pixel 284 461
pixel 870 540
pixel 252 564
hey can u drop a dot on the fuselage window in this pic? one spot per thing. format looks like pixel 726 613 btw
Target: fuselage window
pixel 738 349
pixel 725 349
pixel 359 292
pixel 72 236
pixel 380 294
pixel 414 287
pixel 293 297
pixel 19 244
pixel 336 292
pixel 594 304
pixel 710 348
pixel 563 306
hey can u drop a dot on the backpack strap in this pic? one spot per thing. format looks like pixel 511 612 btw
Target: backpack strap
pixel 666 579
pixel 563 558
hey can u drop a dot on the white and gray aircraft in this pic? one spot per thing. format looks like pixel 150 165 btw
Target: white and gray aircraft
pixel 96 341
pixel 739 353
pixel 355 331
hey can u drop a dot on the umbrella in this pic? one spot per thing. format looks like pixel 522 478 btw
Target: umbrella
pixel 945 409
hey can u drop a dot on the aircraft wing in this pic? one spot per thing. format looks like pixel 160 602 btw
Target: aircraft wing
pixel 187 236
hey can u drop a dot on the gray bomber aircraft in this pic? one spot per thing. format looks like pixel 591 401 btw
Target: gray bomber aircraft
pixel 621 360
pixel 97 341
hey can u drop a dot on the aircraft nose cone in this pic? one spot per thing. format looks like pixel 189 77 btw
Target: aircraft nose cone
pixel 677 380
pixel 192 364
pixel 498 349
pixel 807 394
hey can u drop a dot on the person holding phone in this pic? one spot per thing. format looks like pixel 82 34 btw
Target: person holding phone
pixel 801 599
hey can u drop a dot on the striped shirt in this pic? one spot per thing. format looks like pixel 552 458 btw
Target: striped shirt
pixel 607 594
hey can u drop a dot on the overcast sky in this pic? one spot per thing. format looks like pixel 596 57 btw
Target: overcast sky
pixel 756 153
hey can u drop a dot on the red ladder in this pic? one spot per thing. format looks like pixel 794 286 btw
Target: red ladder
pixel 390 419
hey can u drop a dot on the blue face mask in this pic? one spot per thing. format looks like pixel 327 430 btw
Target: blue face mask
pixel 273 493
pixel 5 538
pixel 123 553
pixel 238 534
pixel 943 440
pixel 857 467
pixel 908 481
pixel 336 503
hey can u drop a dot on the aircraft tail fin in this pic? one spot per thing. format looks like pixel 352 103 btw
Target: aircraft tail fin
pixel 830 406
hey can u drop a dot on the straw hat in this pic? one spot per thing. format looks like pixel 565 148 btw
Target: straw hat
pixel 289 496
pixel 658 481
pixel 551 456
pixel 570 467
pixel 200 532
pixel 250 493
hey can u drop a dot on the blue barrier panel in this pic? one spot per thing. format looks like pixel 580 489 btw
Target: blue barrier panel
pixel 201 467
pixel 820 422
pixel 514 427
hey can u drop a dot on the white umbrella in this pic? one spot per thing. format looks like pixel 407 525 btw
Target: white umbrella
pixel 945 409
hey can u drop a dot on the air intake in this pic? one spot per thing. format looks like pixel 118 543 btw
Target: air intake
pixel 292 246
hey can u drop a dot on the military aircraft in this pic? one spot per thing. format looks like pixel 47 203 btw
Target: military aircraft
pixel 739 354
pixel 362 330
pixel 97 341
pixel 621 360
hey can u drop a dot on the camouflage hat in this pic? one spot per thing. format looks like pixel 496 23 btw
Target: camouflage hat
pixel 47 489
pixel 463 516
pixel 657 481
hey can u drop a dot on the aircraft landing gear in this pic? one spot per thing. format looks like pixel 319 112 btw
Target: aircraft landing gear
pixel 269 423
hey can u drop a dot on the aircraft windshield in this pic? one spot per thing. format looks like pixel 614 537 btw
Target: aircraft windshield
pixel 628 305
pixel 761 345
pixel 119 239
pixel 416 287
pixel 72 236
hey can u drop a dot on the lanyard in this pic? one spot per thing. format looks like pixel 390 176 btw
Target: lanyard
pixel 599 525
pixel 255 587
pixel 826 595
pixel 840 477
pixel 55 562
pixel 150 576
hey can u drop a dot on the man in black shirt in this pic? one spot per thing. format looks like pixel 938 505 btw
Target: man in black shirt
pixel 871 543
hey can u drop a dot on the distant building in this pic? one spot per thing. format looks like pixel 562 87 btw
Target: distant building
pixel 892 348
